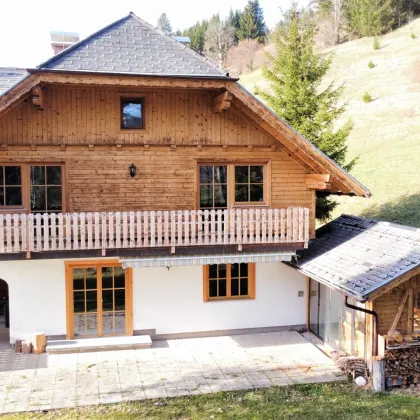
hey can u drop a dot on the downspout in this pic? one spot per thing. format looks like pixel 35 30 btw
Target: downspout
pixel 375 323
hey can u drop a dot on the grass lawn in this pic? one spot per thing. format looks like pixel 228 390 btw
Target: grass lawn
pixel 322 401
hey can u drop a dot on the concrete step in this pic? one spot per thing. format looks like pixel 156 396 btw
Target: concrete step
pixel 83 345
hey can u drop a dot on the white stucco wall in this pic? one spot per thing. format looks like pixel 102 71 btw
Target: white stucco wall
pixel 37 299
pixel 171 301
pixel 168 301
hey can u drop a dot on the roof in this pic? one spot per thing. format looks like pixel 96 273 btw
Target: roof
pixel 9 77
pixel 131 45
pixel 359 256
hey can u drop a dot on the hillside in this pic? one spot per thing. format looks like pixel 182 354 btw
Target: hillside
pixel 386 134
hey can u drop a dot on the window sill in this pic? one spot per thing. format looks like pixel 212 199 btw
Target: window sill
pixel 221 299
pixel 250 206
pixel 13 210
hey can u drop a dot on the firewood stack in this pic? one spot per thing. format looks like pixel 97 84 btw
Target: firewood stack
pixel 352 366
pixel 402 363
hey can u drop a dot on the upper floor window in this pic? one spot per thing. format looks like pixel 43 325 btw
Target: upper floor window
pixel 222 186
pixel 213 187
pixel 10 186
pixel 249 184
pixel 35 188
pixel 46 191
pixel 132 113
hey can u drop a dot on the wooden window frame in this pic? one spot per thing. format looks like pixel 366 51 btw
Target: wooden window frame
pixel 251 284
pixel 6 208
pixel 26 186
pixel 98 264
pixel 145 114
pixel 231 164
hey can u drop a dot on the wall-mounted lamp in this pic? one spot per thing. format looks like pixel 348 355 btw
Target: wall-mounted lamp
pixel 132 168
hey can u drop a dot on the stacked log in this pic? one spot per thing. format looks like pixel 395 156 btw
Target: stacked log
pixel 352 366
pixel 402 363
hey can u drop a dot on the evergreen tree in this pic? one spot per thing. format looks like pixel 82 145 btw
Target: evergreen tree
pixel 370 17
pixel 234 20
pixel 197 35
pixel 259 19
pixel 294 75
pixel 164 25
pixel 248 26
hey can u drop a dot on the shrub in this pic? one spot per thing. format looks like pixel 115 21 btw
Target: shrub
pixel 371 65
pixel 413 36
pixel 376 44
pixel 367 98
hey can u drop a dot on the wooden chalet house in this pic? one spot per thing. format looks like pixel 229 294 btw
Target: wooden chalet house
pixel 145 191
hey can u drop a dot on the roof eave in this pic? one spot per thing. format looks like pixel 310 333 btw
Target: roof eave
pixel 129 74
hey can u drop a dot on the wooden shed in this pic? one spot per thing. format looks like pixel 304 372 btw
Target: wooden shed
pixel 364 292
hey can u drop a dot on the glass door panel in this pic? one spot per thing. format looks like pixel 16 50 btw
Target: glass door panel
pixel 85 302
pixel 314 306
pixel 99 301
pixel 113 300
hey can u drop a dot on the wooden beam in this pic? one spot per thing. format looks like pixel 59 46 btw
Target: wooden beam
pixel 38 97
pixel 395 283
pixel 12 98
pixel 138 81
pixel 317 181
pixel 400 311
pixel 222 102
pixel 410 308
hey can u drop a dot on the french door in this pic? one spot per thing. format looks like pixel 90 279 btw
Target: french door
pixel 99 299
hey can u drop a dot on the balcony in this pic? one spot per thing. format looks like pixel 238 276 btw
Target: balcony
pixel 36 233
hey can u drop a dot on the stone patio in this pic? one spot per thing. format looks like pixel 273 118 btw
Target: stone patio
pixel 169 369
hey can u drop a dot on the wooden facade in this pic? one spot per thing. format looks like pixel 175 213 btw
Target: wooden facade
pixel 79 127
pixel 91 115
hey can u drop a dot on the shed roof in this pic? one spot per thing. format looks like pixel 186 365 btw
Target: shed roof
pixel 131 45
pixel 360 256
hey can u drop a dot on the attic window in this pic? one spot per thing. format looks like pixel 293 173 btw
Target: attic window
pixel 132 113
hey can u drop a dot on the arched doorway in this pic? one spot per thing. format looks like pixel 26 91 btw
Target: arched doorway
pixel 4 313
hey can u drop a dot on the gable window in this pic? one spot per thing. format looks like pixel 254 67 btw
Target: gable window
pixel 224 186
pixel 132 113
pixel 229 281
pixel 10 186
pixel 249 184
pixel 46 189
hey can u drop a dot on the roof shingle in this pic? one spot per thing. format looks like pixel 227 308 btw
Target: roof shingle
pixel 9 77
pixel 131 45
pixel 358 256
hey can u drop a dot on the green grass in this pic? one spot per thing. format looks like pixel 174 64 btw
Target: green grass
pixel 322 401
pixel 386 136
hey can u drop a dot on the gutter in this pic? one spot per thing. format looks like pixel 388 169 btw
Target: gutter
pixel 375 323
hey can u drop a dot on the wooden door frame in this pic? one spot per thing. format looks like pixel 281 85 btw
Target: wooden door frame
pixel 69 265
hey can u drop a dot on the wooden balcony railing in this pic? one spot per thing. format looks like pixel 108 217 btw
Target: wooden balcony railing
pixel 149 229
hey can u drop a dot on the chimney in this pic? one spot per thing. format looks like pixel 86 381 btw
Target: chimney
pixel 61 40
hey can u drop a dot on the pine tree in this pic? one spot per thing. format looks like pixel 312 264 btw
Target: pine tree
pixel 164 25
pixel 259 19
pixel 294 75
pixel 197 34
pixel 248 27
pixel 234 20
pixel 370 17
